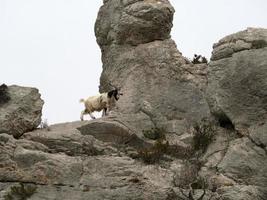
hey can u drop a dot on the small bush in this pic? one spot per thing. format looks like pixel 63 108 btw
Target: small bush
pixel 20 192
pixel 4 96
pixel 257 44
pixel 154 133
pixel 187 175
pixel 180 152
pixel 154 153
pixel 203 135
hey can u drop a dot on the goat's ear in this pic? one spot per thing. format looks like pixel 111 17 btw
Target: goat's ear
pixel 110 93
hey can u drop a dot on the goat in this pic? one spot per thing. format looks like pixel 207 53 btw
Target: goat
pixel 105 101
pixel 198 59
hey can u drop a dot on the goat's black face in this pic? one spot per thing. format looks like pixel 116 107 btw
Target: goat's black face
pixel 115 93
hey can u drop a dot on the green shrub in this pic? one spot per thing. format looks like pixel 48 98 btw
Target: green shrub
pixel 203 135
pixel 154 133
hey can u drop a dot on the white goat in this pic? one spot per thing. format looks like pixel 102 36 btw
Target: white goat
pixel 104 101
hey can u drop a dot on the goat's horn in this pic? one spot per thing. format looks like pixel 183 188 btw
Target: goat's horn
pixel 113 86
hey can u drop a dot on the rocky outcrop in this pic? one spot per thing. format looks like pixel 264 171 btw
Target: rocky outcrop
pixel 63 161
pixel 22 112
pixel 133 22
pixel 237 96
pixel 161 142
pixel 237 89
pixel 139 56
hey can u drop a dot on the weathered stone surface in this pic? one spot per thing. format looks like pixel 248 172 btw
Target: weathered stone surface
pixel 66 138
pixel 258 134
pixel 32 163
pixel 243 192
pixel 218 147
pixel 135 40
pixel 119 129
pixel 133 22
pixel 252 38
pixel 245 163
pixel 106 158
pixel 172 95
pixel 81 176
pixel 22 112
pixel 237 88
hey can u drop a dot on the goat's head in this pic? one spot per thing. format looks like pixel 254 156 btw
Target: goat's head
pixel 115 92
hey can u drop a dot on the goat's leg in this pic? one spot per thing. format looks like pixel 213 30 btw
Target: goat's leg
pixel 82 114
pixel 108 109
pixel 91 115
pixel 104 112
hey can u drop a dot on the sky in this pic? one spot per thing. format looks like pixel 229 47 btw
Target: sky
pixel 50 44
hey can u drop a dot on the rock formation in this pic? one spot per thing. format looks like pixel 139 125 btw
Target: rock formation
pixel 180 131
pixel 139 56
pixel 237 89
pixel 22 112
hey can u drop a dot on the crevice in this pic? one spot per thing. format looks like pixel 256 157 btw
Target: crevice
pixel 23 182
pixel 224 153
pixel 258 144
pixel 220 150
pixel 130 3
pixel 36 183
pixel 225 122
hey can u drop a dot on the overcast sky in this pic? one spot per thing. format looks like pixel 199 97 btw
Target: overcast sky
pixel 50 44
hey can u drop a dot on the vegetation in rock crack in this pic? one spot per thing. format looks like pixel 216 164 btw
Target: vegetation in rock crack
pixel 188 180
pixel 161 146
pixel 4 96
pixel 20 192
pixel 198 183
pixel 154 133
pixel 257 44
pixel 154 153
pixel 180 152
pixel 203 135
pixel 187 175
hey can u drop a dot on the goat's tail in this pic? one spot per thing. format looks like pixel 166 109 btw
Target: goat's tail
pixel 82 100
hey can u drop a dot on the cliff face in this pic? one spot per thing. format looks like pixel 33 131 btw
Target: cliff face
pixel 180 131
pixel 139 56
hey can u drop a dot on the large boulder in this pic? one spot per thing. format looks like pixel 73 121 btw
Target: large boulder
pixel 22 112
pixel 237 95
pixel 237 89
pixel 133 21
pixel 139 56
